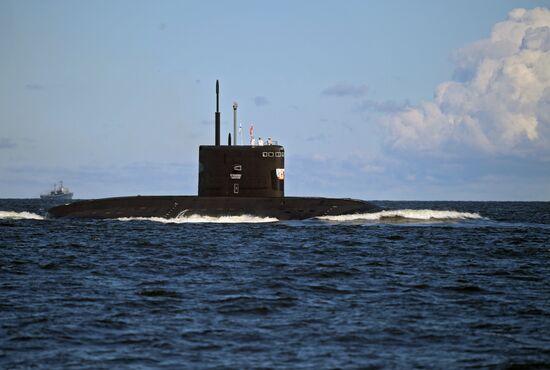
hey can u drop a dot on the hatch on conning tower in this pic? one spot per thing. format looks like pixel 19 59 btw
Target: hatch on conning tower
pixel 240 170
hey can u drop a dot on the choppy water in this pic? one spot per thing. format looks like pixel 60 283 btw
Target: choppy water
pixel 429 284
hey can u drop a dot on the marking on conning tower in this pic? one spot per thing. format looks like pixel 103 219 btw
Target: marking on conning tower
pixel 273 154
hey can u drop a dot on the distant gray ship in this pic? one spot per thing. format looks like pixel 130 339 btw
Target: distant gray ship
pixel 59 192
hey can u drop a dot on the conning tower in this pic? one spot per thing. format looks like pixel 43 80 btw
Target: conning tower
pixel 240 170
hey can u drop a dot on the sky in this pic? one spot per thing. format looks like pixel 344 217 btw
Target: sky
pixel 387 100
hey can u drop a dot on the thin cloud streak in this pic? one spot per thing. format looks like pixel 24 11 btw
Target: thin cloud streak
pixel 386 106
pixel 346 90
pixel 7 143
pixel 34 86
pixel 261 101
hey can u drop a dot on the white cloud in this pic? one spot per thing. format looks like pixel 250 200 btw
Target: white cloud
pixel 501 101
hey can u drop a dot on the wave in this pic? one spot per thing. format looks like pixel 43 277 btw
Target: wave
pixel 411 214
pixel 11 215
pixel 400 214
pixel 204 219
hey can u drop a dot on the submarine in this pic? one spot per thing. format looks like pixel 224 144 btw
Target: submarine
pixel 234 180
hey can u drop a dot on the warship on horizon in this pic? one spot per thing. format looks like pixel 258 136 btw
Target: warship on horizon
pixel 59 192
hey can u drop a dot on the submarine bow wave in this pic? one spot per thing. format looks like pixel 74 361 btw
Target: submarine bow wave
pixel 203 219
pixel 411 214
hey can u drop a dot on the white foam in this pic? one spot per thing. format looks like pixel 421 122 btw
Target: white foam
pixel 11 215
pixel 203 219
pixel 412 214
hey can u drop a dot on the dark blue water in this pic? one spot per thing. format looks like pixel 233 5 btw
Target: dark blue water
pixel 461 290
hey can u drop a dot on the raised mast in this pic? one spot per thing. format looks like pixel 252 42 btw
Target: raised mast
pixel 235 105
pixel 217 113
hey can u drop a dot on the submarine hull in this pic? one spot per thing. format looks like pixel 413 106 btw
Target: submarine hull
pixel 283 208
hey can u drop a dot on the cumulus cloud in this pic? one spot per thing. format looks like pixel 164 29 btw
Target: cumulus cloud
pixel 344 90
pixel 500 100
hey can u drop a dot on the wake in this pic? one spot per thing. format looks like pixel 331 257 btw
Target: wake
pixel 11 215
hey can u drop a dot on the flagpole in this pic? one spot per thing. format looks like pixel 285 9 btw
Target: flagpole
pixel 241 132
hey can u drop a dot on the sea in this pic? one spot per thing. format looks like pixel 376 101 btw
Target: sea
pixel 432 285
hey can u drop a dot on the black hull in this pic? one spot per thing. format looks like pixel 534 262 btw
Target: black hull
pixel 286 208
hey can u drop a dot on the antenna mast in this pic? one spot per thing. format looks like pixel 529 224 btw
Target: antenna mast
pixel 235 105
pixel 217 113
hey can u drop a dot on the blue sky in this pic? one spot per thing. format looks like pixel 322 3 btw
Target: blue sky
pixel 371 99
